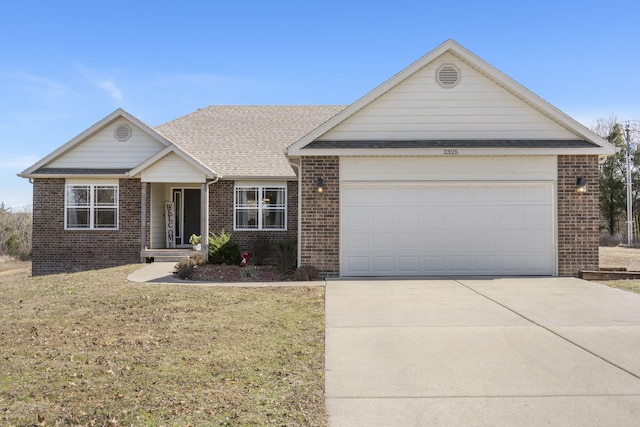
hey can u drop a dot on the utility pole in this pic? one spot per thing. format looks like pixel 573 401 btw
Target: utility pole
pixel 629 189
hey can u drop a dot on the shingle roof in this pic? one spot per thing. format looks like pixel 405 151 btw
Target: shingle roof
pixel 246 141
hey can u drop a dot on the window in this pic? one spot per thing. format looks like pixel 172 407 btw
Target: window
pixel 91 207
pixel 260 208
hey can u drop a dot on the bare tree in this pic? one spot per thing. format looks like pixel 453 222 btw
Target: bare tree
pixel 15 232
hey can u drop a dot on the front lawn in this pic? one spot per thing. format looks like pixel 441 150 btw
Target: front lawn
pixel 93 349
pixel 627 285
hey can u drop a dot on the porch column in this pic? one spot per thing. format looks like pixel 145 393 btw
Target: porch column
pixel 143 218
pixel 204 220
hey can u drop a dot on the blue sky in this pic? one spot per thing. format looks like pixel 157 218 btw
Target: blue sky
pixel 67 64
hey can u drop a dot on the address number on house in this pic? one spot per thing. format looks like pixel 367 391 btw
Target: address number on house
pixel 449 152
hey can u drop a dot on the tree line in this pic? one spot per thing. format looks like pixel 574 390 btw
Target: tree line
pixel 15 233
pixel 613 183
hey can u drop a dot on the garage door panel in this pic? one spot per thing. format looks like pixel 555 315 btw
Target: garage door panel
pixel 537 264
pixel 358 265
pixel 355 241
pixel 378 218
pixel 459 264
pixel 434 216
pixel 381 241
pixel 408 241
pixel 483 241
pixel 435 264
pixel 409 265
pixel 408 218
pixel 485 216
pixel 485 264
pixel 383 265
pixel 432 196
pixel 406 196
pixel 447 228
pixel 434 239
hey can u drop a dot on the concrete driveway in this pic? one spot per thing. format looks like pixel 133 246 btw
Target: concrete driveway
pixel 482 352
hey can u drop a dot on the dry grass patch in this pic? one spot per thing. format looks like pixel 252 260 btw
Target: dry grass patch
pixel 620 256
pixel 627 285
pixel 93 349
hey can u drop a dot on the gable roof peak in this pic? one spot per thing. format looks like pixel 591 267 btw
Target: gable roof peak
pixel 486 69
pixel 92 130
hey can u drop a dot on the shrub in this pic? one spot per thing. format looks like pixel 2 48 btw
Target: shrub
pixel 223 250
pixel 286 252
pixel 198 258
pixel 248 272
pixel 185 268
pixel 306 273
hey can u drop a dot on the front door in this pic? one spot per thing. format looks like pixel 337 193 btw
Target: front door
pixel 187 203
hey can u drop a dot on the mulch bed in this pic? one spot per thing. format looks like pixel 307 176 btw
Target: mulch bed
pixel 234 273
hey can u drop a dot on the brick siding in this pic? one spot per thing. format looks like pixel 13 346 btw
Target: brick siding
pixel 56 250
pixel 257 242
pixel 578 215
pixel 320 215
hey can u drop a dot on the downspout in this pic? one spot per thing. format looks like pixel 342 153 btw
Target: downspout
pixel 296 164
pixel 204 219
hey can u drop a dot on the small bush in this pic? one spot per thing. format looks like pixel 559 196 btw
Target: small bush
pixel 185 268
pixel 198 258
pixel 223 250
pixel 286 252
pixel 306 273
pixel 248 272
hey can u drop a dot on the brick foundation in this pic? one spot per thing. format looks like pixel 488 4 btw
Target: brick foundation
pixel 320 215
pixel 578 215
pixel 56 250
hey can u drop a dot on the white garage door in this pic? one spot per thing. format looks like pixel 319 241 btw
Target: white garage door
pixel 421 229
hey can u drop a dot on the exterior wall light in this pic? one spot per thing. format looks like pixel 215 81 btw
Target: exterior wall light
pixel 320 185
pixel 581 185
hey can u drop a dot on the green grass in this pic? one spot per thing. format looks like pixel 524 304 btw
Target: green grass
pixel 93 349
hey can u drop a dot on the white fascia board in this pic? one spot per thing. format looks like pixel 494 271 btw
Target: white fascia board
pixel 62 175
pixel 440 152
pixel 92 130
pixel 185 156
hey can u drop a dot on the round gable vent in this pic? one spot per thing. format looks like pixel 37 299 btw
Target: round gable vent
pixel 122 132
pixel 448 75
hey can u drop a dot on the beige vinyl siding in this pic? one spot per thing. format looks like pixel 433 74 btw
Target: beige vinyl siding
pixel 172 168
pixel 476 108
pixel 103 150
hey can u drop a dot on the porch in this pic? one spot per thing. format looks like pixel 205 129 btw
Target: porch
pixel 171 213
pixel 167 253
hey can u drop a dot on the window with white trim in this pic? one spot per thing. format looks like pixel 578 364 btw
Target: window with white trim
pixel 260 208
pixel 91 207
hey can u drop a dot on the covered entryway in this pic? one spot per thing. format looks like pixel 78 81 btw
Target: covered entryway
pixel 437 226
pixel 187 206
